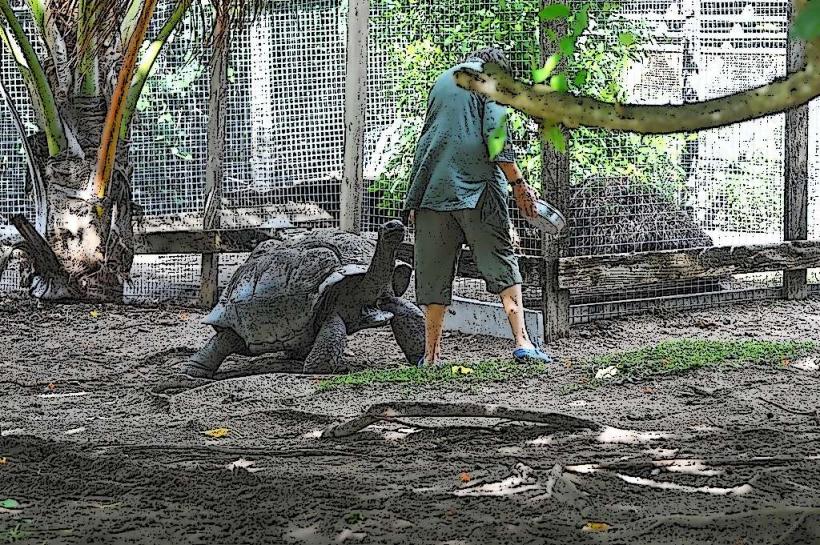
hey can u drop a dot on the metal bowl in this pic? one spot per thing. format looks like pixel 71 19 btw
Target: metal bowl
pixel 548 218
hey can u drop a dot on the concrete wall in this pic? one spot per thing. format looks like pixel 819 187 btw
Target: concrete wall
pixel 480 318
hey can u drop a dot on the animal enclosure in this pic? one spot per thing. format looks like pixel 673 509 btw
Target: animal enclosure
pixel 285 161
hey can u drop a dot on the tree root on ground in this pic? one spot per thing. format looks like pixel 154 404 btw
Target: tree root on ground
pixel 394 410
pixel 814 414
pixel 682 462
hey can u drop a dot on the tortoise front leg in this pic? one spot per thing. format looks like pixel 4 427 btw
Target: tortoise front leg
pixel 408 327
pixel 329 347
pixel 204 363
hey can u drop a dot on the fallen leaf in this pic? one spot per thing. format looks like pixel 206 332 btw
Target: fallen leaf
pixel 10 504
pixel 595 527
pixel 3 461
pixel 95 313
pixel 464 477
pixel 648 390
pixel 184 316
pixel 459 370
pixel 52 386
pixel 608 372
pixel 785 362
pixel 243 464
pixel 217 432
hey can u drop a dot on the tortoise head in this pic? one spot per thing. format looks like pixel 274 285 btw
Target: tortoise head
pixel 392 233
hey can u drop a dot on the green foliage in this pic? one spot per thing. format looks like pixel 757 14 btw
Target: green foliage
pixel 496 140
pixel 486 371
pixel 158 96
pixel 806 25
pixel 650 160
pixel 555 137
pixel 594 64
pixel 678 356
pixel 541 74
pixel 554 11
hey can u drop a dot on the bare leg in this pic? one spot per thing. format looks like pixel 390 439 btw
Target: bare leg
pixel 513 303
pixel 433 326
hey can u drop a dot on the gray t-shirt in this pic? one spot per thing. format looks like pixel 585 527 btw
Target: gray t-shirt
pixel 452 166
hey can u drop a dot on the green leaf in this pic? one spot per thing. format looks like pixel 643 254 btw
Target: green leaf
pixel 554 11
pixel 555 136
pixel 581 78
pixel 541 74
pixel 559 83
pixel 626 38
pixel 497 139
pixel 502 4
pixel 579 24
pixel 10 504
pixel 806 25
pixel 567 45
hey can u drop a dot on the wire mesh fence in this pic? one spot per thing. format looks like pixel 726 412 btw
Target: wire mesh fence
pixel 286 128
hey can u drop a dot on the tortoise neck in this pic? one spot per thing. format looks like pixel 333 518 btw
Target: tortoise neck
pixel 381 267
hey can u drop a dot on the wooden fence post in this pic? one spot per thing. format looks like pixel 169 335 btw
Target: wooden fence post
pixel 352 190
pixel 796 175
pixel 215 169
pixel 555 189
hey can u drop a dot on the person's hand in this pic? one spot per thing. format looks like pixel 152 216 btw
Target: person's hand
pixel 525 197
pixel 411 217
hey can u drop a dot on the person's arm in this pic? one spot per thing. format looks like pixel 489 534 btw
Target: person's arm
pixel 525 196
pixel 494 116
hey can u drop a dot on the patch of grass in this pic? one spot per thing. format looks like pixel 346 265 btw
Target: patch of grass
pixel 493 370
pixel 679 356
pixel 14 534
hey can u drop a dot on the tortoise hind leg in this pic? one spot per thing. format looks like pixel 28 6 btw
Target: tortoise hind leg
pixel 329 347
pixel 408 327
pixel 204 363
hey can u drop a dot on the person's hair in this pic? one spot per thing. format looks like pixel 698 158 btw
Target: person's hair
pixel 491 55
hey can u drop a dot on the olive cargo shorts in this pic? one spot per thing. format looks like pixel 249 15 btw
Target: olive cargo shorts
pixel 439 237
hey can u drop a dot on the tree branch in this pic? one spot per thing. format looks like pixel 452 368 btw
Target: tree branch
pixel 148 61
pixel 541 102
pixel 39 187
pixel 400 409
pixel 88 69
pixel 113 119
pixel 53 125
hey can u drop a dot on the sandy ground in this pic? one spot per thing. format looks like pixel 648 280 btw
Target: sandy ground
pixel 92 457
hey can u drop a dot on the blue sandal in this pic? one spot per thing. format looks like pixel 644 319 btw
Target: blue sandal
pixel 421 363
pixel 531 355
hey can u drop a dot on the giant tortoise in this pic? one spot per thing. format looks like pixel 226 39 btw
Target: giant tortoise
pixel 305 296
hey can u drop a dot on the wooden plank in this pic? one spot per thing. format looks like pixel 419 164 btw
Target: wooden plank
pixel 216 241
pixel 589 312
pixel 796 176
pixel 352 190
pixel 554 189
pixel 620 271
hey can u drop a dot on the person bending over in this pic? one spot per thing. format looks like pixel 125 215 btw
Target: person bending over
pixel 458 194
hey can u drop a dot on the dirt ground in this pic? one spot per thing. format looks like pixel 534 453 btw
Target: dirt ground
pixel 92 457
